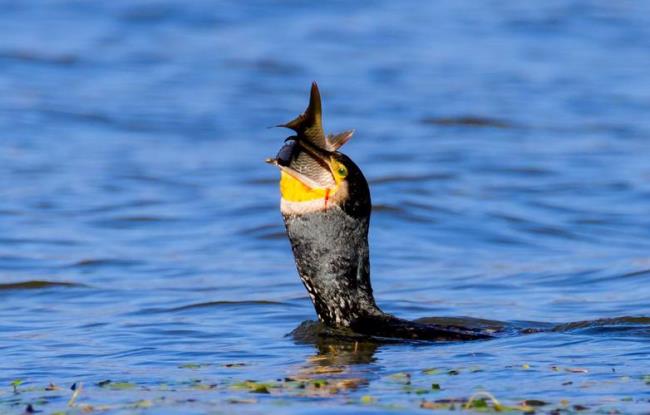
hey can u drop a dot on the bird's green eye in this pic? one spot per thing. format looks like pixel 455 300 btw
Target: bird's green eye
pixel 342 171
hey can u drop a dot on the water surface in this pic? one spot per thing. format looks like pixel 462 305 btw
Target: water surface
pixel 506 147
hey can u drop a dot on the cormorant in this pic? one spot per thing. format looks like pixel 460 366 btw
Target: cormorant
pixel 326 209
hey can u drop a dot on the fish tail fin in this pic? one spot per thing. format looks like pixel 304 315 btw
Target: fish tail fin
pixel 309 125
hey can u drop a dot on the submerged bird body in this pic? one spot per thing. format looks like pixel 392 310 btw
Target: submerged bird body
pixel 326 209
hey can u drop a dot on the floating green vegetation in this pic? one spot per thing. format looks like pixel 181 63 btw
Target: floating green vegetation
pixel 401 377
pixel 428 389
pixel 367 399
pixel 108 384
pixel 191 366
pixel 238 364
pixel 431 371
pixel 195 365
pixel 15 384
pixel 253 386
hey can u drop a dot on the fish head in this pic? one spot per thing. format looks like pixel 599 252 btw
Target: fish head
pixel 308 173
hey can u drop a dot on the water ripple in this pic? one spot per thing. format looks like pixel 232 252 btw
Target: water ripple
pixel 38 285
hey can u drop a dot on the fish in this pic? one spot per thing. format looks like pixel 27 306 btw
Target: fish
pixel 307 155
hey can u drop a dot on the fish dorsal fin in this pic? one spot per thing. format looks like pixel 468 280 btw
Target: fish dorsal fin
pixel 309 125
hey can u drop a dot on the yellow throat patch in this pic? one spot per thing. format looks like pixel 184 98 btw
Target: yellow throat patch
pixel 294 190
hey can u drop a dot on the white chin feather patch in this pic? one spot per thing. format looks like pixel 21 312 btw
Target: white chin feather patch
pixel 287 207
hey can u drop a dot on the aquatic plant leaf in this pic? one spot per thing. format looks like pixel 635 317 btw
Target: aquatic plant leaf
pixel 367 399
pixel 204 386
pixel 401 377
pixel 119 385
pixel 14 384
pixel 235 364
pixel 254 387
pixel 260 389
pixel 319 382
pixel 480 400
pixel 143 404
pixel 431 371
pixel 191 366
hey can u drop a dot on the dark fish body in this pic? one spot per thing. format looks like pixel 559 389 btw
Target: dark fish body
pixel 306 151
pixel 312 145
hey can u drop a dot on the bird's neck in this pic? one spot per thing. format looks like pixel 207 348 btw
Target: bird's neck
pixel 332 257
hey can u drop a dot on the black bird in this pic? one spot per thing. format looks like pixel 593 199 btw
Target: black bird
pixel 326 209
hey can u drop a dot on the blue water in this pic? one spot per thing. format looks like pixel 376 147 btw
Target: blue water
pixel 506 145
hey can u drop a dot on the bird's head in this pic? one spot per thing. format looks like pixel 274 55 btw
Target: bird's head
pixel 314 175
pixel 314 181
